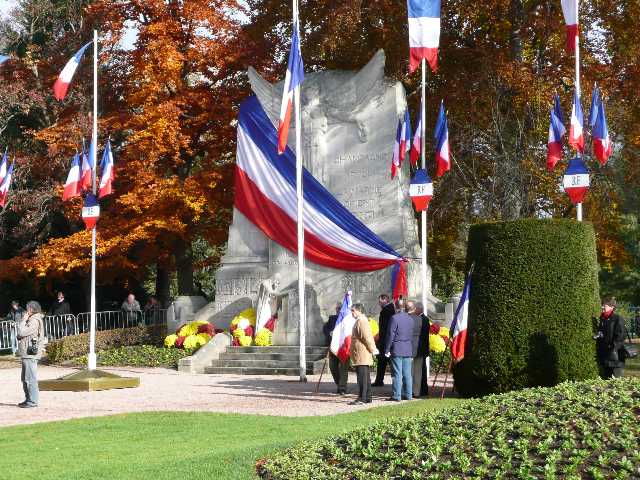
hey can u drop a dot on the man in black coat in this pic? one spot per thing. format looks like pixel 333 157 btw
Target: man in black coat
pixel 339 370
pixel 387 310
pixel 610 340
pixel 420 379
pixel 63 309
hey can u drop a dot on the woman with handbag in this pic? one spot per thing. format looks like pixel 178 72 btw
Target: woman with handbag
pixel 30 334
pixel 610 341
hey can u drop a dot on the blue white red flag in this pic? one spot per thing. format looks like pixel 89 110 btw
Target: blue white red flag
pixel 86 172
pixel 424 32
pixel 570 12
pixel 265 185
pixel 421 190
pixel 399 280
pixel 405 139
pixel 416 145
pixel 441 137
pixel 576 126
pixel 4 164
pixel 90 211
pixel 595 102
pixel 576 180
pixel 292 80
pixel 396 162
pixel 108 172
pixel 602 147
pixel 4 186
pixel 341 336
pixel 556 132
pixel 460 323
pixel 66 75
pixel 72 185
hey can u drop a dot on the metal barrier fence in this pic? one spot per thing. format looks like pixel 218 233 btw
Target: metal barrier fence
pixel 59 326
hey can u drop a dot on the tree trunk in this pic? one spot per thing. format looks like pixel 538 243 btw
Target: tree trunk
pixel 184 267
pixel 162 285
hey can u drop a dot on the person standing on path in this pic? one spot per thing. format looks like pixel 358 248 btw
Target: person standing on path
pixel 15 315
pixel 610 340
pixel 399 347
pixel 62 309
pixel 339 370
pixel 30 333
pixel 363 348
pixel 387 311
pixel 132 312
pixel 422 353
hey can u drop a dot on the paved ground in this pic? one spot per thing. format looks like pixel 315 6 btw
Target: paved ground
pixel 162 390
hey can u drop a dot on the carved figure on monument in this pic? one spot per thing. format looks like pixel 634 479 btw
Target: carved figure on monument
pixel 266 305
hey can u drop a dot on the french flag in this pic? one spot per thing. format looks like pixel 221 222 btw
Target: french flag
pixel 602 147
pixel 4 187
pixel 72 185
pixel 576 134
pixel 293 79
pixel 424 32
pixel 64 79
pixel 416 145
pixel 108 173
pixel 396 159
pixel 399 280
pixel 556 132
pixel 421 190
pixel 405 140
pixel 4 164
pixel 570 12
pixel 341 336
pixel 460 323
pixel 86 172
pixel 265 186
pixel 576 180
pixel 441 136
pixel 595 102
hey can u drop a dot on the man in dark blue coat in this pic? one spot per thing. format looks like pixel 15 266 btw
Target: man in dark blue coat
pixel 387 310
pixel 399 346
pixel 339 370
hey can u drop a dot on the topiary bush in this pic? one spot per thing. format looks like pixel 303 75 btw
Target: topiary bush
pixel 136 356
pixel 572 431
pixel 74 346
pixel 534 296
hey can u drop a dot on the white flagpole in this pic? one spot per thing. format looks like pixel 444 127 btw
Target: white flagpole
pixel 300 204
pixel 91 360
pixel 579 205
pixel 423 214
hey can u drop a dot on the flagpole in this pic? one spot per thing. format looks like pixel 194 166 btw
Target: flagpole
pixel 300 205
pixel 423 214
pixel 578 205
pixel 91 359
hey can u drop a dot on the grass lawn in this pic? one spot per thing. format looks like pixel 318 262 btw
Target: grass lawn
pixel 169 445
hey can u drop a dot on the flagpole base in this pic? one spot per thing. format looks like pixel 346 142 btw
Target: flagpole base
pixel 88 381
pixel 91 361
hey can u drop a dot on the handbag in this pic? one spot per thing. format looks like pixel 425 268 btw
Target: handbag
pixel 629 351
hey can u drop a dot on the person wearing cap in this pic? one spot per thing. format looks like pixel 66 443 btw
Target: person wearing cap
pixel 610 340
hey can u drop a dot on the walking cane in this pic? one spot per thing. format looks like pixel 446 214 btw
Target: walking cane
pixel 324 366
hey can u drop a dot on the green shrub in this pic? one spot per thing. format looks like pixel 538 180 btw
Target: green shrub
pixel 74 346
pixel 574 430
pixel 138 356
pixel 534 296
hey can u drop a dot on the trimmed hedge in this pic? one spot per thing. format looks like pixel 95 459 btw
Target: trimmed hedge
pixel 572 431
pixel 74 346
pixel 534 296
pixel 137 356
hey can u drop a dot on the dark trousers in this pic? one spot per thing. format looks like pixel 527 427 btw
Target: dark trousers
pixel 364 383
pixel 339 372
pixel 609 372
pixel 382 368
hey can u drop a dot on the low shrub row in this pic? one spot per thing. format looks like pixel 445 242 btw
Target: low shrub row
pixel 137 356
pixel 571 431
pixel 75 346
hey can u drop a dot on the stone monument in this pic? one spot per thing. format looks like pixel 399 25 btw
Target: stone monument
pixel 349 124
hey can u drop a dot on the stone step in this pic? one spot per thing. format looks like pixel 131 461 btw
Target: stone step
pixel 285 357
pixel 259 363
pixel 261 370
pixel 311 350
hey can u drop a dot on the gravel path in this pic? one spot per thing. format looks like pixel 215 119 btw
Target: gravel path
pixel 167 390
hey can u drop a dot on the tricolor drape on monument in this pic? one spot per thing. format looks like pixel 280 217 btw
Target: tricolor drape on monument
pixel 265 187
